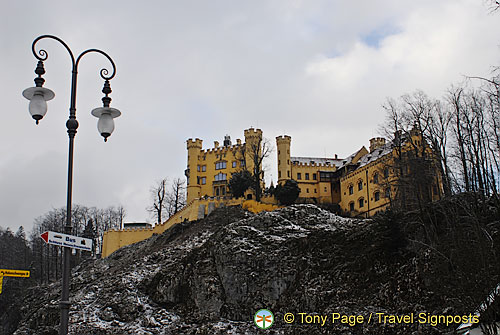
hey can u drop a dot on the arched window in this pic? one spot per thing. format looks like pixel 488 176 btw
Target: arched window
pixel 375 178
pixel 388 192
pixel 386 172
pixel 351 206
pixel 360 185
pixel 351 189
pixel 376 195
pixel 361 202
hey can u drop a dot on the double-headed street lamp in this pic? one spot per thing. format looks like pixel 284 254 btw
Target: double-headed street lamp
pixel 38 97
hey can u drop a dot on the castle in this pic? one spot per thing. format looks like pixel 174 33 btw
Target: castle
pixel 366 182
pixel 362 184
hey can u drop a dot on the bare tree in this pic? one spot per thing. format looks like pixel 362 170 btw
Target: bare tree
pixel 257 151
pixel 176 196
pixel 415 172
pixel 159 197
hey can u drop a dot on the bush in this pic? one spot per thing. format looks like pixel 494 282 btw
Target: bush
pixel 240 182
pixel 287 193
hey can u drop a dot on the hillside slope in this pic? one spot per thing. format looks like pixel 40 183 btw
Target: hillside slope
pixel 213 275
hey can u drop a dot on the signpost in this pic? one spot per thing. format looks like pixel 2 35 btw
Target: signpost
pixel 70 241
pixel 12 273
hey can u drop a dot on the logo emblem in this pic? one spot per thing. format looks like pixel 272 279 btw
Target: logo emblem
pixel 263 318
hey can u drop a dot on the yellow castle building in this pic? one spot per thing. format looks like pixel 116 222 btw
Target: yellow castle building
pixel 366 182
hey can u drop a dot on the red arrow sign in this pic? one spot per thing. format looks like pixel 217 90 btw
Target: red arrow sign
pixel 45 236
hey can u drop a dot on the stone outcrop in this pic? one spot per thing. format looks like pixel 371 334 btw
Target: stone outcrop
pixel 212 275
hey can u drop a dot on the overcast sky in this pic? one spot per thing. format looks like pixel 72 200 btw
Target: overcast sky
pixel 318 71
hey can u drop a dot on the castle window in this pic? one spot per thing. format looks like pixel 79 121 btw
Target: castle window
pixel 198 168
pixel 299 176
pixel 307 176
pixel 288 162
pixel 315 191
pixel 388 192
pixel 220 176
pixel 386 172
pixel 315 177
pixel 351 206
pixel 351 189
pixel 361 202
pixel 204 157
pixel 234 164
pixel 203 180
pixel 307 190
pixel 375 178
pixel 326 190
pixel 377 196
pixel 220 165
pixel 203 168
pixel 242 163
pixel 278 152
pixel 288 173
pixel 360 185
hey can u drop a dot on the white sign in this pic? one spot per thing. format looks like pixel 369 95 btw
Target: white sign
pixel 70 241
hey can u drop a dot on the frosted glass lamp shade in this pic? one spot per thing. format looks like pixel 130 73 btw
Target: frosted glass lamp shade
pixel 105 125
pixel 38 97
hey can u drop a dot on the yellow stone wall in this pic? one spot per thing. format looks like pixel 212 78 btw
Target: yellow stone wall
pixel 314 188
pixel 369 187
pixel 309 188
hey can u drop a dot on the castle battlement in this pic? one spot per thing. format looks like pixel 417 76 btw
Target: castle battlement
pixel 376 143
pixel 129 230
pixel 221 149
pixel 251 132
pixel 283 138
pixel 301 164
pixel 196 143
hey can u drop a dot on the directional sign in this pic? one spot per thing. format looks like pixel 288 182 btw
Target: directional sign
pixel 12 273
pixel 70 241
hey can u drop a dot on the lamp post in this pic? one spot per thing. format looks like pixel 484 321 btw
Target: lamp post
pixel 38 97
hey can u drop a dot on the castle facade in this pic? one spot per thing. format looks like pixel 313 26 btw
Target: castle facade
pixel 366 182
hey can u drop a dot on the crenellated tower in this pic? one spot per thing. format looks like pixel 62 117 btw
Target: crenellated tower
pixel 284 166
pixel 193 187
pixel 376 142
pixel 253 143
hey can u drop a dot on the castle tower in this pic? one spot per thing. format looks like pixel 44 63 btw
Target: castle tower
pixel 284 165
pixel 253 142
pixel 193 188
pixel 376 143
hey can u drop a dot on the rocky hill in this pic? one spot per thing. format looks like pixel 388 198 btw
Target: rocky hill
pixel 213 275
